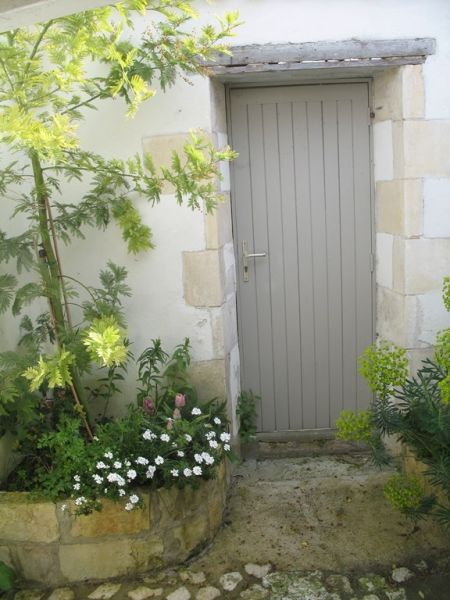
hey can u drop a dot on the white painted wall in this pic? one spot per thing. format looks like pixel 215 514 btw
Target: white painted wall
pixel 157 307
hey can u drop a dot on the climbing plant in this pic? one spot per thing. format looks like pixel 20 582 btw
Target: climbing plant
pixel 50 75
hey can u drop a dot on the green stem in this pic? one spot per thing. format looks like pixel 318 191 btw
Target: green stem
pixel 51 276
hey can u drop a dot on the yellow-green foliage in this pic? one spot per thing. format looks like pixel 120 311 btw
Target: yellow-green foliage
pixel 384 366
pixel 354 427
pixel 404 493
pixel 55 370
pixel 104 341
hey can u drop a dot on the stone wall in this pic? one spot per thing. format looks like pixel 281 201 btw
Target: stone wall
pixel 46 544
pixel 412 178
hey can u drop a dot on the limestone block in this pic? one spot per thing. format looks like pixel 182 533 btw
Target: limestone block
pixel 218 106
pixel 384 253
pixel 161 147
pixel 169 503
pixel 413 207
pixel 209 376
pixel 398 264
pixel 430 317
pixel 436 219
pixel 387 95
pixel 426 146
pixel 195 532
pixel 398 149
pixel 426 264
pixel 391 315
pixel 383 151
pixel 22 520
pixel 413 92
pixel 203 278
pixel 218 224
pixel 399 207
pixel 38 562
pixel 113 519
pixel 112 558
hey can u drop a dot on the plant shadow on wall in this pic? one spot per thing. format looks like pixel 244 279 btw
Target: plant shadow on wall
pixel 416 410
pixel 46 83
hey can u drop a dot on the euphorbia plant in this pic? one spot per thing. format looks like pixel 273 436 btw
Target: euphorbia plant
pixel 49 75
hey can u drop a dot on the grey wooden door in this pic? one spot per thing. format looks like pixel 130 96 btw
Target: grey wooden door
pixel 301 195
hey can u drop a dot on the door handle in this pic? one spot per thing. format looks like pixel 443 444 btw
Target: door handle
pixel 246 255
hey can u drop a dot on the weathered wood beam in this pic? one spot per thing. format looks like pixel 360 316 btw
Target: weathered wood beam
pixel 269 54
pixel 310 65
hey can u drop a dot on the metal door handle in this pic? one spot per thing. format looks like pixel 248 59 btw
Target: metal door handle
pixel 246 256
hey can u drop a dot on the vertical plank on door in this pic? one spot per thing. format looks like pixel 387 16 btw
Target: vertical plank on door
pixel 305 263
pixel 319 263
pixel 247 303
pixel 290 262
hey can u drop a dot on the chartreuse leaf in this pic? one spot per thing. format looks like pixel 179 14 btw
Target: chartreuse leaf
pixel 105 343
pixel 55 370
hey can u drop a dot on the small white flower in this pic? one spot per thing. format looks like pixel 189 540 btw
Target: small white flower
pixel 210 435
pixel 131 474
pixel 77 478
pixel 108 455
pixel 76 486
pixel 105 491
pixel 120 480
pixel 197 470
pixel 196 411
pixel 150 472
pixel 198 458
pixel 148 435
pixel 227 447
pixel 174 472
pixel 213 444
pixel 112 477
pixel 134 499
pixel 225 437
pixel 117 464
pixel 127 463
pixel 209 460
pixel 81 500
pixel 95 438
pixel 164 437
pixel 63 507
pixel 188 437
pixel 97 478
pixel 187 472
pixel 180 453
pixel 174 444
pixel 141 460
pixel 159 460
pixel 217 421
pixel 101 465
pixel 122 492
pixel 129 506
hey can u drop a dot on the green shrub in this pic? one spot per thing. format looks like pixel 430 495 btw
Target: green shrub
pixel 404 493
pixel 416 411
pixel 246 409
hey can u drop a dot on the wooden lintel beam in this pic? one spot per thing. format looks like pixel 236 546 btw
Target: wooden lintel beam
pixel 268 54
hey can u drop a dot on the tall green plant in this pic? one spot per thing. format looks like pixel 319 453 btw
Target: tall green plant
pixel 47 82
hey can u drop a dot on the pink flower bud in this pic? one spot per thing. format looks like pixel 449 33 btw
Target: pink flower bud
pixel 148 405
pixel 169 424
pixel 176 413
pixel 180 400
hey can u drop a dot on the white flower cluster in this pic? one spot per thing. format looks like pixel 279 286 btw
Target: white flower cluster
pixel 175 453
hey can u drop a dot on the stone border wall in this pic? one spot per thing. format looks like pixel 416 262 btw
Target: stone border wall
pixel 46 544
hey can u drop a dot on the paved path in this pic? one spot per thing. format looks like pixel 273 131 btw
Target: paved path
pixel 300 528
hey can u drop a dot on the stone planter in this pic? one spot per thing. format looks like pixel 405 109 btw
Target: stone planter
pixel 47 545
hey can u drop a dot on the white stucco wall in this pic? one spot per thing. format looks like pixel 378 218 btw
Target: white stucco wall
pixel 157 307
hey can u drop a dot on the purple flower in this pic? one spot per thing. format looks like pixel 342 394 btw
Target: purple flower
pixel 180 400
pixel 148 405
